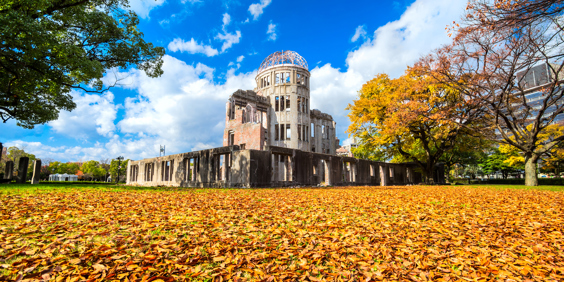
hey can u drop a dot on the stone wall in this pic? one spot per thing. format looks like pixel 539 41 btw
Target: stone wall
pixel 274 167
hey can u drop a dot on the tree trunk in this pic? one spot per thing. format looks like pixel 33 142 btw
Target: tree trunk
pixel 531 171
pixel 429 174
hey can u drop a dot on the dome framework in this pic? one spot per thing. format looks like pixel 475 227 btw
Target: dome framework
pixel 283 58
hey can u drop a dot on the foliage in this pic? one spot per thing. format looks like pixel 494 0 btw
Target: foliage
pixel 497 44
pixel 554 162
pixel 349 234
pixel 93 169
pixel 62 168
pixel 14 154
pixel 366 152
pixel 403 119
pixel 468 150
pixel 497 161
pixel 114 168
pixel 50 47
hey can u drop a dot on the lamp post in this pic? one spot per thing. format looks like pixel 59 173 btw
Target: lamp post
pixel 120 158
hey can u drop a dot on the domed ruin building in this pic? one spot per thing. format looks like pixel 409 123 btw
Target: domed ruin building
pixel 277 112
pixel 272 138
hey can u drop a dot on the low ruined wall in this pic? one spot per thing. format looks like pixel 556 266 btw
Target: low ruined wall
pixel 275 167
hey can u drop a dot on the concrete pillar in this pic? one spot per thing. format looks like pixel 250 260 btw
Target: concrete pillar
pixel 36 172
pixel 384 175
pixel 22 170
pixel 9 170
pixel 327 169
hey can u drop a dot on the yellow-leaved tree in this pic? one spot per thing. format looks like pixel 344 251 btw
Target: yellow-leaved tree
pixel 410 117
pixel 552 157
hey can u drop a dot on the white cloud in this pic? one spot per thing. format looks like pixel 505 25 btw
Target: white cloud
pixel 271 32
pixel 393 47
pixel 245 21
pixel 257 9
pixel 359 32
pixel 191 47
pixel 228 39
pixel 182 108
pixel 143 7
pixel 226 20
pixel 93 117
pixel 240 58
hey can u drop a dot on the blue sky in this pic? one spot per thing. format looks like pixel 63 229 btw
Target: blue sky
pixel 215 47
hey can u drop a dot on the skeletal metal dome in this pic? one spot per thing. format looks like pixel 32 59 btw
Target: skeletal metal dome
pixel 283 58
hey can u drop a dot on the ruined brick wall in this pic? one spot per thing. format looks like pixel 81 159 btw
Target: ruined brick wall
pixel 246 120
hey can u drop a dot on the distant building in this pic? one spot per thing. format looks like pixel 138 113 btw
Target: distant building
pixel 533 81
pixel 63 177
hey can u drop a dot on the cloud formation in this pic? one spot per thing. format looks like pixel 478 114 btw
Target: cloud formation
pixel 94 115
pixel 391 49
pixel 257 9
pixel 143 7
pixel 191 47
pixel 271 31
pixel 226 20
pixel 228 39
pixel 359 32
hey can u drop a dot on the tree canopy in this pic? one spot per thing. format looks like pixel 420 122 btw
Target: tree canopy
pixel 407 118
pixel 50 47
pixel 496 49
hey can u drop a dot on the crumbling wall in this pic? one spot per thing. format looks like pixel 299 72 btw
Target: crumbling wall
pixel 273 167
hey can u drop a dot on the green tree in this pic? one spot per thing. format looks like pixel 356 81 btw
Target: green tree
pixel 14 154
pixel 93 169
pixel 114 169
pixel 467 152
pixel 497 161
pixel 50 47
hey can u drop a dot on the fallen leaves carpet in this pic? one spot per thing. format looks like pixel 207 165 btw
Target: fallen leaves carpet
pixel 413 233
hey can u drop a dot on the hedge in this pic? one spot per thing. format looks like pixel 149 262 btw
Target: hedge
pixel 510 181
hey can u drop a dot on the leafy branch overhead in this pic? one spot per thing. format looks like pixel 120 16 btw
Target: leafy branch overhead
pixel 50 47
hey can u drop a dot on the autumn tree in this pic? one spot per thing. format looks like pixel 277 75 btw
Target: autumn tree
pixel 507 58
pixel 400 117
pixel 51 47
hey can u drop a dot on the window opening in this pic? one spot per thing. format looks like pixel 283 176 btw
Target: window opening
pixel 299 104
pixel 312 130
pixel 276 132
pixel 277 103
pixel 287 77
pixel 278 78
pixel 242 146
pixel 282 132
pixel 288 132
pixel 287 103
pixel 299 132
pixel 323 131
pixel 231 137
